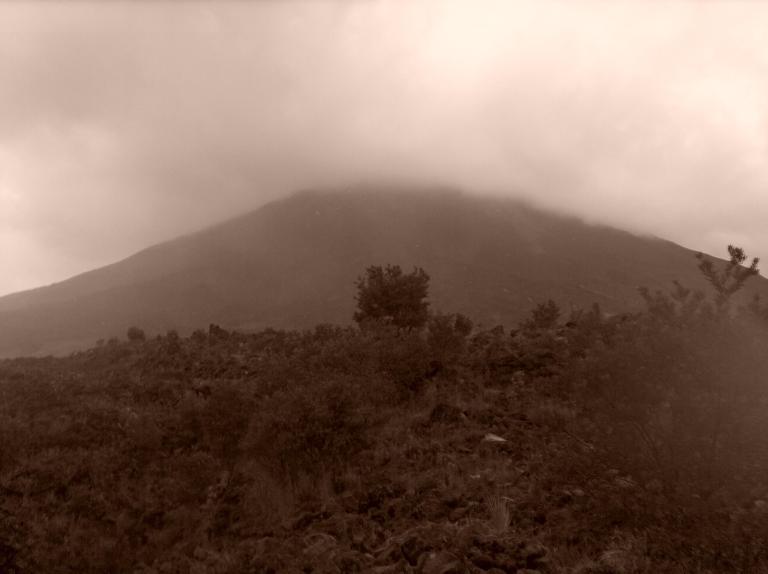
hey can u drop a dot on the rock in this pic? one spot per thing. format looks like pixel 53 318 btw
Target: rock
pixel 458 513
pixel 413 548
pixel 397 568
pixel 625 482
pixel 535 556
pixel 489 553
pixel 654 485
pixel 616 559
pixel 305 519
pixel 353 562
pixel 387 552
pixel 445 413
pixel 441 563
pixel 490 437
pixel 318 543
pixel 377 497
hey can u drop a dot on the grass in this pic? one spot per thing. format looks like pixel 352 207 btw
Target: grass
pixel 498 514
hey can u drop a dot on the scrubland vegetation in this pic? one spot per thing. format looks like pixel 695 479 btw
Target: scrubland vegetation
pixel 576 443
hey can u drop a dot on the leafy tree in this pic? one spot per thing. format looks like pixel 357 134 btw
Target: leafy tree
pixel 388 295
pixel 135 334
pixel 544 316
pixel 677 399
pixel 447 339
pixel 683 306
pixel 311 429
pixel 728 281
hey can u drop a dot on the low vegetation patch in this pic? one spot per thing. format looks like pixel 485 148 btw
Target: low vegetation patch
pixel 412 442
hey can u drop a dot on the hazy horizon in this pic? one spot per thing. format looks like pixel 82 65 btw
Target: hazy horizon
pixel 124 125
pixel 390 186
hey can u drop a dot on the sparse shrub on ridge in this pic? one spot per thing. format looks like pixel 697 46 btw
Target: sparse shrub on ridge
pixel 135 335
pixel 633 442
pixel 226 416
pixel 387 295
pixel 447 336
pixel 403 357
pixel 312 429
pixel 544 316
pixel 677 401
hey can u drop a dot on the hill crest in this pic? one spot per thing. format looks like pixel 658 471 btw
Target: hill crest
pixel 293 262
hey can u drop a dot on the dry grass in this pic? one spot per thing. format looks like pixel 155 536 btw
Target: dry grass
pixel 498 513
pixel 553 414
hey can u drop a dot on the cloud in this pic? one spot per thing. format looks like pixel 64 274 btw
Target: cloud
pixel 124 124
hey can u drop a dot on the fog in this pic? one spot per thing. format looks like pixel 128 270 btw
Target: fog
pixel 125 124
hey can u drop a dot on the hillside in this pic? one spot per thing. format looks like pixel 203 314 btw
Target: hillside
pixel 293 263
pixel 621 445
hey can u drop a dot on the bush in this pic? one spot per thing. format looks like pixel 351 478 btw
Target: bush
pixel 226 416
pixel 313 429
pixel 404 358
pixel 684 405
pixel 543 317
pixel 388 295
pixel 136 335
pixel 447 339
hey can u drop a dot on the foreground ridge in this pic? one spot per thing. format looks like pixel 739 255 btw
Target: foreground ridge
pixel 587 443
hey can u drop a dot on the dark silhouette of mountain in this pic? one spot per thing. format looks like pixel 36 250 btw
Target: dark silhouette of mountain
pixel 293 264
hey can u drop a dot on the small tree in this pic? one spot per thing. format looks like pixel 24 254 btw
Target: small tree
pixel 543 317
pixel 678 397
pixel 683 305
pixel 136 335
pixel 729 280
pixel 389 295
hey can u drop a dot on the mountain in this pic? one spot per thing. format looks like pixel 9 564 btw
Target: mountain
pixel 293 264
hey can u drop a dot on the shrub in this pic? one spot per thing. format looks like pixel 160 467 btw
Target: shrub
pixel 312 429
pixel 447 338
pixel 136 335
pixel 543 317
pixel 388 295
pixel 226 417
pixel 404 358
pixel 679 398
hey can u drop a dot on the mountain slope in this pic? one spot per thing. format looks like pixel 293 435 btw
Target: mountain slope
pixel 293 263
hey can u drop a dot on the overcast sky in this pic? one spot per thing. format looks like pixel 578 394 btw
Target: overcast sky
pixel 122 125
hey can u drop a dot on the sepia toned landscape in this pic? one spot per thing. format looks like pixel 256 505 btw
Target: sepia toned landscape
pixel 380 287
pixel 411 441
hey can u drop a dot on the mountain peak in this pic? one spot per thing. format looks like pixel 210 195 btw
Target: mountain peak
pixel 293 264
